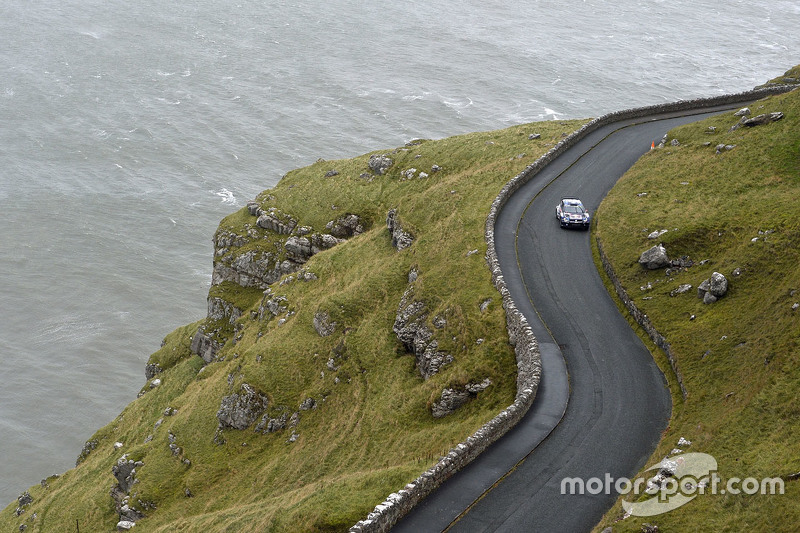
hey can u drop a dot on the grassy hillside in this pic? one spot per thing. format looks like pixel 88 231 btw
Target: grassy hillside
pixel 356 411
pixel 733 211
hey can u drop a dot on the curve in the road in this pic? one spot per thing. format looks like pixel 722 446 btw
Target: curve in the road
pixel 595 370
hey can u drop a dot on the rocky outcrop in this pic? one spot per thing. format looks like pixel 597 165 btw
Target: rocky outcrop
pixel 251 269
pixel 261 268
pixel 240 410
pixel 220 309
pixel 412 330
pixel 654 258
pixel 760 120
pixel 379 164
pixel 276 222
pixel 713 288
pixel 271 425
pixel 345 227
pixel 125 474
pixel 273 304
pixel 323 324
pixel 401 239
pixel 204 345
pixel 451 399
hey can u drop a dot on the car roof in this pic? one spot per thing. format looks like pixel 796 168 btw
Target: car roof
pixel 571 201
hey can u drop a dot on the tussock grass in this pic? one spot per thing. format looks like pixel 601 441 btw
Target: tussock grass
pixel 372 431
pixel 740 356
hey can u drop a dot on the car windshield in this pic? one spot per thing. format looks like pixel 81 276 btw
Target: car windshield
pixel 573 209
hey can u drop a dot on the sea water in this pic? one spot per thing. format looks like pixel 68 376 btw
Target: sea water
pixel 129 129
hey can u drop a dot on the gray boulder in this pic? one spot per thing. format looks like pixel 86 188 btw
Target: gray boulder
pixel 298 248
pixel 760 120
pixel 451 399
pixel 345 226
pixel 276 223
pixel 240 410
pixel 713 288
pixel 204 345
pixel 718 285
pixel 654 258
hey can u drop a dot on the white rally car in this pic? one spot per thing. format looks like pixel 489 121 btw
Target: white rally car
pixel 570 212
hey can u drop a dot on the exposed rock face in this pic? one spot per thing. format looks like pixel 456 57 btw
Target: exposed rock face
pixel 411 328
pixel 219 309
pixel 452 399
pixel 151 371
pixel 713 288
pixel 239 411
pixel 251 269
pixel 400 239
pixel 654 258
pixel 272 304
pixel 345 227
pixel 125 474
pixel 260 268
pixel 278 223
pixel 323 323
pixel 271 425
pixel 379 163
pixel 204 345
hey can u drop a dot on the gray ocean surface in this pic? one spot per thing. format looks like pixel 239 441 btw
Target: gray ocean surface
pixel 129 129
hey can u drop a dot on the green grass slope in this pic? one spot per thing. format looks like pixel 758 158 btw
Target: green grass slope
pixel 735 211
pixel 372 430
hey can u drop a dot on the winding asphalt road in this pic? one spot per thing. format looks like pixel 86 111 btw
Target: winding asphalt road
pixel 602 403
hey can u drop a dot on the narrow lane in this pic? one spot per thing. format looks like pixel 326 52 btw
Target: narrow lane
pixel 596 371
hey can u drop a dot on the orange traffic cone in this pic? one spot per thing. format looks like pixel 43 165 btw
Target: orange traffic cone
pixel 652 145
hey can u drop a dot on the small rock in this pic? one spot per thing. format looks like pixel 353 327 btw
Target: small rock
pixel 331 173
pixel 681 289
pixel 675 142
pixel 743 112
pixel 533 136
pixel 795 306
pixel 125 525
pixel 435 168
pixel 657 234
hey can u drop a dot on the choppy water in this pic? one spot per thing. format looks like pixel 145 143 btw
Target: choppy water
pixel 129 129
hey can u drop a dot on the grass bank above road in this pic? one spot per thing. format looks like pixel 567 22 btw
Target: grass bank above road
pixel 733 210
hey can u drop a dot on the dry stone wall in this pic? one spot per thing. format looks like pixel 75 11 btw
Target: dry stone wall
pixel 398 504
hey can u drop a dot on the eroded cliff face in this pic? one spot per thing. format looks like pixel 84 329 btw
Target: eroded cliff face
pixel 270 247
